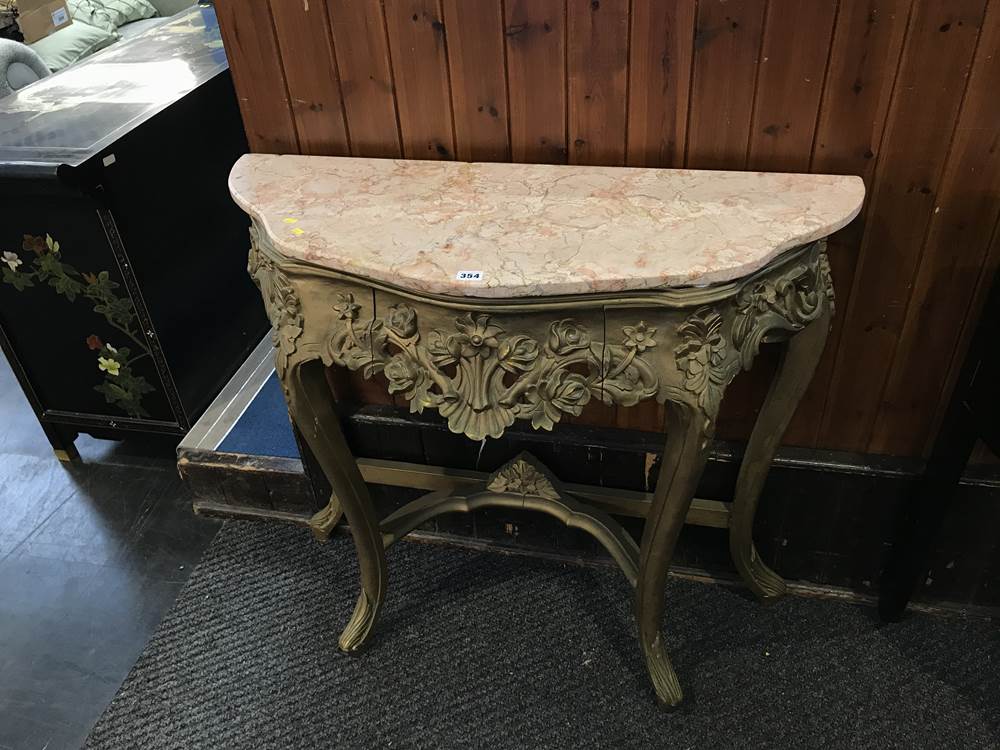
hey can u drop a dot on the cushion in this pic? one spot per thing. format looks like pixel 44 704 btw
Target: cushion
pixel 94 13
pixel 73 43
pixel 171 7
pixel 126 11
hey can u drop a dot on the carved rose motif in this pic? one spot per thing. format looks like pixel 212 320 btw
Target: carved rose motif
pixel 568 392
pixel 477 338
pixel 402 373
pixel 639 337
pixel 562 392
pixel 478 397
pixel 517 353
pixel 347 309
pixel 402 319
pixel 566 336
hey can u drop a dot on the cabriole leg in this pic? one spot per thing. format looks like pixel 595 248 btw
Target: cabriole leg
pixel 311 406
pixel 688 430
pixel 798 363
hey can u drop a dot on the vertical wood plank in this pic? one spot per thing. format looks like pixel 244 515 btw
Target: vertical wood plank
pixel 958 240
pixel 311 76
pixel 597 38
pixel 931 82
pixel 789 84
pixel 536 77
pixel 864 58
pixel 478 78
pixel 250 44
pixel 420 69
pixel 661 49
pixel 365 77
pixel 726 47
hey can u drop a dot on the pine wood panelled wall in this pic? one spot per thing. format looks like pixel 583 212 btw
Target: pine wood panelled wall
pixel 905 93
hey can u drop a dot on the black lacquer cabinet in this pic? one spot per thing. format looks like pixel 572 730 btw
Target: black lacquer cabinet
pixel 124 299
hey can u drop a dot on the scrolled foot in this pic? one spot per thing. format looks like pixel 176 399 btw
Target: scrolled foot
pixel 760 579
pixel 661 672
pixel 324 521
pixel 360 627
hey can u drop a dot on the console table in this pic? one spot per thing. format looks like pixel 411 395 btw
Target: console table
pixel 498 292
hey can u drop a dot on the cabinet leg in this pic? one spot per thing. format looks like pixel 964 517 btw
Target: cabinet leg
pixel 62 443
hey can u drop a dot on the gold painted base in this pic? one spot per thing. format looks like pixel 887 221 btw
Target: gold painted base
pixel 482 364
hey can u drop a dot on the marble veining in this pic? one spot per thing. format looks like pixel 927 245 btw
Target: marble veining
pixel 532 229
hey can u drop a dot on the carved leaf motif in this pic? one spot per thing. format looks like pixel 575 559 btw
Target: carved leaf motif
pixel 826 279
pixel 520 477
pixel 517 352
pixel 281 303
pixel 702 357
pixel 787 302
pixel 347 308
pixel 402 319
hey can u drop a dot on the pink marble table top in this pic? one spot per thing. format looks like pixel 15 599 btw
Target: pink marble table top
pixel 518 230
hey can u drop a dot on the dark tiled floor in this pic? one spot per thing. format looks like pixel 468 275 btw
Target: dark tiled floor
pixel 91 557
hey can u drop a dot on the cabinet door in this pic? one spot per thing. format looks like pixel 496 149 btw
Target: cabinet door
pixel 69 317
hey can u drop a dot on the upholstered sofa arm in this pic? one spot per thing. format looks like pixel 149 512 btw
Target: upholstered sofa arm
pixel 19 66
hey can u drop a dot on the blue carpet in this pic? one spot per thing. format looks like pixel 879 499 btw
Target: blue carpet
pixel 264 428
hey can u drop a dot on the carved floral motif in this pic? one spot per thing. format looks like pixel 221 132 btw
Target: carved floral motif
pixel 702 357
pixel 280 301
pixel 480 377
pixel 826 278
pixel 786 302
pixel 522 477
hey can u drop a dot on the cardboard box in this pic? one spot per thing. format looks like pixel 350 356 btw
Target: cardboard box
pixel 39 18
